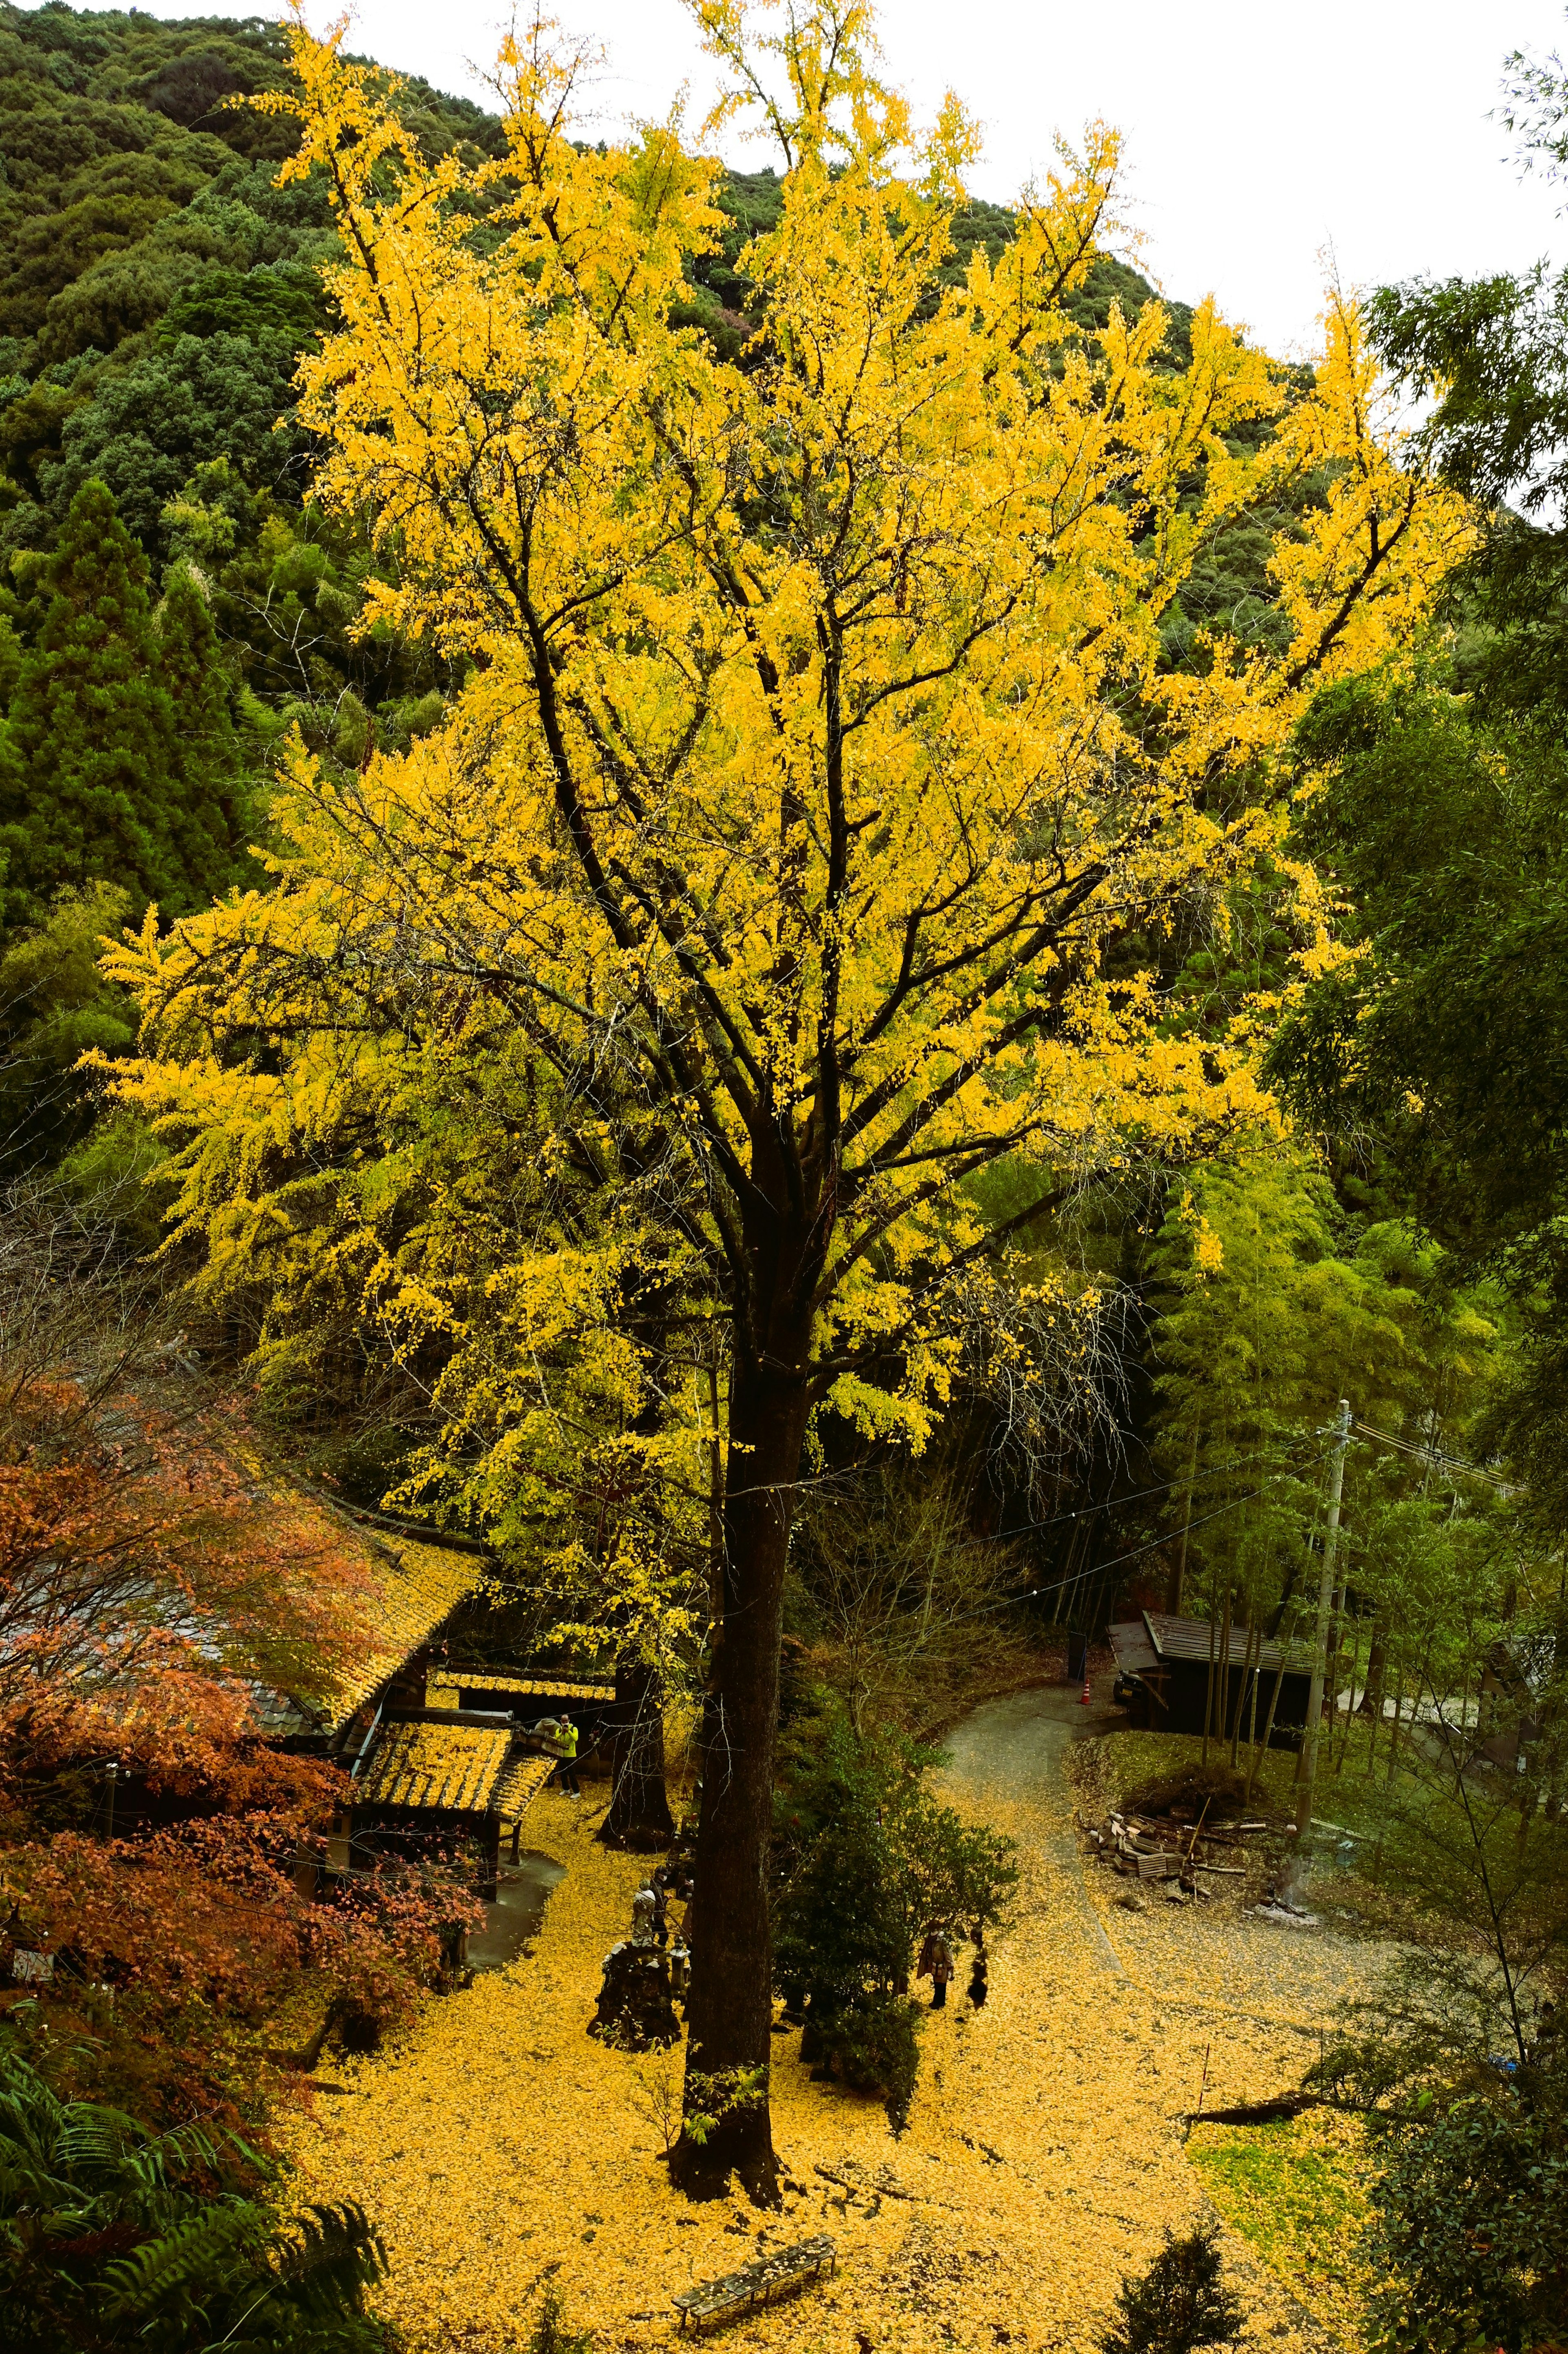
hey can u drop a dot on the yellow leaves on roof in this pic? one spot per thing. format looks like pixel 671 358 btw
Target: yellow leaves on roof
pixel 540 1687
pixel 520 1784
pixel 454 1767
pixel 414 1587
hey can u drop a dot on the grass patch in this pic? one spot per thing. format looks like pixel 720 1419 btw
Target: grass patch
pixel 1297 2191
pixel 1108 1769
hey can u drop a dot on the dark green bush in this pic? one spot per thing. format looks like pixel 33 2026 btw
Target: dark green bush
pixel 866 1861
pixel 1464 2086
pixel 112 2236
pixel 1178 2305
pixel 870 2040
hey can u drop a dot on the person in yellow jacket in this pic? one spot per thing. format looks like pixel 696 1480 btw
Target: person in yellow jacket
pixel 566 1771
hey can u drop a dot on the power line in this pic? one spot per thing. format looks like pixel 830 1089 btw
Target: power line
pixel 1033 1593
pixel 1115 1504
pixel 1430 1454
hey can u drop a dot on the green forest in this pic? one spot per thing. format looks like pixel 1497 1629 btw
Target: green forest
pixel 775 962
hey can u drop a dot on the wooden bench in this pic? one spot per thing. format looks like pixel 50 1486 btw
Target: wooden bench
pixel 760 2283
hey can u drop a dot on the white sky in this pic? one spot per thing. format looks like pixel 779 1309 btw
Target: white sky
pixel 1260 132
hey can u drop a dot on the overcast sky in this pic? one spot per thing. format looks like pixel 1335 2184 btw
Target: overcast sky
pixel 1259 133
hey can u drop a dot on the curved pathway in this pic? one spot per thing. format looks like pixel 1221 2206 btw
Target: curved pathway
pixel 1018 1747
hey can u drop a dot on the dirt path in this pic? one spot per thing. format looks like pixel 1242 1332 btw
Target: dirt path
pixel 498 2146
pixel 1018 1747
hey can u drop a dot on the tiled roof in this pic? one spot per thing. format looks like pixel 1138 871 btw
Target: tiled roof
pixel 545 1685
pixel 454 1768
pixel 1193 1639
pixel 520 1784
pixel 417 1587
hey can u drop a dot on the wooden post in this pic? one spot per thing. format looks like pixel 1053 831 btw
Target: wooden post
pixel 1308 1766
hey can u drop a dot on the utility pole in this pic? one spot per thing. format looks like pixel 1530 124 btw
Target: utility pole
pixel 1309 1769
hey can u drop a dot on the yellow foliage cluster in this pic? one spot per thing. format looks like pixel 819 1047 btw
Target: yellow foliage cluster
pixel 819 739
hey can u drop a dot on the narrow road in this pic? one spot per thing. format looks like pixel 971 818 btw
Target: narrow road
pixel 1015 1750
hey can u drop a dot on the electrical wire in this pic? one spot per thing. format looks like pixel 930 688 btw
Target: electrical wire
pixel 1033 1593
pixel 1430 1454
pixel 1138 1495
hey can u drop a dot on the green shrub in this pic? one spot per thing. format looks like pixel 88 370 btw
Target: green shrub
pixel 114 2236
pixel 1179 2304
pixel 866 1861
pixel 872 2042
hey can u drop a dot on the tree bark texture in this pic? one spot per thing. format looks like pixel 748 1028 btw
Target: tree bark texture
pixel 731 2008
pixel 639 1816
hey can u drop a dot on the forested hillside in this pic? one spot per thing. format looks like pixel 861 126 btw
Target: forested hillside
pixel 762 943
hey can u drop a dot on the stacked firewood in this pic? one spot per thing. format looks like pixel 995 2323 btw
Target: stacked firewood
pixel 1196 1854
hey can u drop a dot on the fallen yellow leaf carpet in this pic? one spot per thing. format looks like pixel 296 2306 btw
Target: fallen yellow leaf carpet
pixel 498 2146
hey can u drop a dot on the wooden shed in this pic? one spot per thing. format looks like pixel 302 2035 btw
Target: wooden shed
pixel 1170 1661
pixel 432 1776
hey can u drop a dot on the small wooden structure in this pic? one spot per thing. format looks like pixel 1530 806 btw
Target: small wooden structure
pixel 526 1694
pixel 1171 1662
pixel 760 2283
pixel 433 1773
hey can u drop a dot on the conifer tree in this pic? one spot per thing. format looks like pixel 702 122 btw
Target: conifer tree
pixel 1179 2304
pixel 204 816
pixel 95 783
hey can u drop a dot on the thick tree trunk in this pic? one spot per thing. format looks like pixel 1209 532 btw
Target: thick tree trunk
pixel 731 2004
pixel 639 1816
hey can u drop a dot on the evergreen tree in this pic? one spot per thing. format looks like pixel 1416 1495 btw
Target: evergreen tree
pixel 1179 2304
pixel 206 816
pixel 88 788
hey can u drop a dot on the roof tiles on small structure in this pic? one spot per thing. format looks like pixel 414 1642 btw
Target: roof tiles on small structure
pixel 545 1685
pixel 521 1784
pixel 447 1768
pixel 416 1589
pixel 1193 1640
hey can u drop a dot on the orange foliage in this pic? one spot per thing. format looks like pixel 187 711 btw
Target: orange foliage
pixel 148 1588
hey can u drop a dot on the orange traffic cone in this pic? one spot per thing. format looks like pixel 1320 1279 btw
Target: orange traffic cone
pixel 1086 1690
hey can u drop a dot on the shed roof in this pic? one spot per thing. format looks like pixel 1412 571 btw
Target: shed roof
pixel 1194 1641
pixel 1133 1651
pixel 521 1783
pixel 543 1685
pixel 452 1768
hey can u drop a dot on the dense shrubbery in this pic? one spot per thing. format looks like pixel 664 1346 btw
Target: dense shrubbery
pixel 866 1861
pixel 1461 2074
pixel 113 2235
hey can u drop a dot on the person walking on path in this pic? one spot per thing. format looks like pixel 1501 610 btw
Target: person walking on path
pixel 935 1963
pixel 566 1771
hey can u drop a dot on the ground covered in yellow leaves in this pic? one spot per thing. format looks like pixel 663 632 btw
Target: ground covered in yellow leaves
pixel 499 2147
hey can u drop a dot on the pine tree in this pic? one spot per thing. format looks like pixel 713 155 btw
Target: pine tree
pixel 1179 2304
pixel 88 788
pixel 204 818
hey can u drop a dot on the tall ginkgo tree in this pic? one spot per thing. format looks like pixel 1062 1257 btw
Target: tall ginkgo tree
pixel 817 774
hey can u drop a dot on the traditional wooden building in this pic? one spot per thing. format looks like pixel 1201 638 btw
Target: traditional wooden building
pixel 436 1777
pixel 417 1578
pixel 1171 1664
pixel 528 1693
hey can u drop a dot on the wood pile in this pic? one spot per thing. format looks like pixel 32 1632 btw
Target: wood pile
pixel 1196 1855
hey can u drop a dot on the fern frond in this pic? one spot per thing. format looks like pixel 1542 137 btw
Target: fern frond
pixel 203 2249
